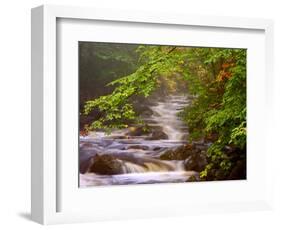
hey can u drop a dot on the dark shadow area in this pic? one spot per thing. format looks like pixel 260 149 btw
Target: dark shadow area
pixel 25 215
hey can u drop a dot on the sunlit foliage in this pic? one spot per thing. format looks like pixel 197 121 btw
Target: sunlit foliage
pixel 216 77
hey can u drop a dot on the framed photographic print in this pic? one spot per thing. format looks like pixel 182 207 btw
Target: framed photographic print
pixel 138 115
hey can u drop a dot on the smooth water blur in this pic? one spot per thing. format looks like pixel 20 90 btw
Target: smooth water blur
pixel 140 157
pixel 165 115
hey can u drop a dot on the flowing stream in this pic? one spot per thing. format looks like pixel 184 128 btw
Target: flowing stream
pixel 139 155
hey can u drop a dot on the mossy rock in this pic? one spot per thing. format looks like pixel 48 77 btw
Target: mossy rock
pixel 105 165
pixel 180 153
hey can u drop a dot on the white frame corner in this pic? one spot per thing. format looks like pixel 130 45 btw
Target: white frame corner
pixel 43 183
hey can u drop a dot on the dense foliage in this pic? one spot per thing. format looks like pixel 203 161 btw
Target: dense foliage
pixel 219 110
pixel 216 77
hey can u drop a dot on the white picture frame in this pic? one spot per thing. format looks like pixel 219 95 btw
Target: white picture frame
pixel 46 182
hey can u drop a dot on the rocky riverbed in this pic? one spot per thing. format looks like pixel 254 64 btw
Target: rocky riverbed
pixel 155 153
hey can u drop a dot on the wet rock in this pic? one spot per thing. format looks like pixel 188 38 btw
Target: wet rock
pixel 106 165
pixel 180 153
pixel 152 102
pixel 196 162
pixel 157 148
pixel 193 155
pixel 144 109
pixel 138 131
pixel 151 132
pixel 147 112
pixel 158 135
pixel 85 159
pixel 172 155
pixel 84 165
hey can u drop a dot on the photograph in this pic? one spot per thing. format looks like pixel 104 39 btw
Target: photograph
pixel 151 114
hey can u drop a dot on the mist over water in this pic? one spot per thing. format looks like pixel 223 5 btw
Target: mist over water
pixel 165 115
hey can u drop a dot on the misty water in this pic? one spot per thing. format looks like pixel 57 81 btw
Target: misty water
pixel 139 156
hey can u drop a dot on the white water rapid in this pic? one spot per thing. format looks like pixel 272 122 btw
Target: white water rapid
pixel 138 155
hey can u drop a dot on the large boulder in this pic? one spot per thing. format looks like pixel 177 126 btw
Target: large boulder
pixel 150 132
pixel 194 156
pixel 158 135
pixel 84 164
pixel 138 131
pixel 106 165
pixel 180 153
pixel 196 162
pixel 146 112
